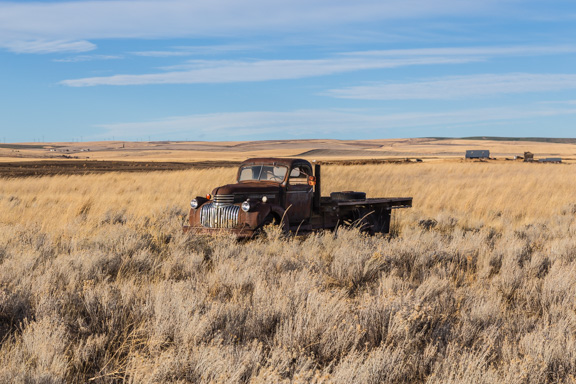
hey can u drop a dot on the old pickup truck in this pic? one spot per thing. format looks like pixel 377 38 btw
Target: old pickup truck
pixel 286 192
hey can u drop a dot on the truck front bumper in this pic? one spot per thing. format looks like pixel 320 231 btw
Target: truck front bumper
pixel 238 232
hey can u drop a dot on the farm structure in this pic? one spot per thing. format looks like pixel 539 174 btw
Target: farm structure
pixel 478 154
pixel 529 158
pixel 555 160
pixel 286 192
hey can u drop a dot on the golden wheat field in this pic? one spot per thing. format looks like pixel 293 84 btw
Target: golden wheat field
pixel 476 283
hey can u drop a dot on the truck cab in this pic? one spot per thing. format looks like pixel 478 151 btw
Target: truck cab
pixel 295 185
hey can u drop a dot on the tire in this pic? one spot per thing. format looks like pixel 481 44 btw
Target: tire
pixel 348 195
pixel 363 219
pixel 271 219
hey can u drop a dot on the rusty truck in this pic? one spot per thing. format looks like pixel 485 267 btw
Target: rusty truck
pixel 286 192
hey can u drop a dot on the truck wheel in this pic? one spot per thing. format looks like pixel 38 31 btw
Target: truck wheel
pixel 271 219
pixel 364 221
pixel 348 195
pixel 361 219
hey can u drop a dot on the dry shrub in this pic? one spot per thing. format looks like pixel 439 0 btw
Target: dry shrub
pixel 37 354
pixel 476 285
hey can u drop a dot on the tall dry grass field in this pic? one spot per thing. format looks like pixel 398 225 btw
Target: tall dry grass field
pixel 476 284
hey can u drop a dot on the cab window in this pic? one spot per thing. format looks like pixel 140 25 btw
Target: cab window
pixel 263 173
pixel 299 175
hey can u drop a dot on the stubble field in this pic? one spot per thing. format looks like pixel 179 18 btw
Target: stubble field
pixel 476 283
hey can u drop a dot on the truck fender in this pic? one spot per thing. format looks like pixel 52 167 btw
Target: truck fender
pixel 264 210
pixel 281 214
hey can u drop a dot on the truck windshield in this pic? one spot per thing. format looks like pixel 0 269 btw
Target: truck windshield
pixel 263 173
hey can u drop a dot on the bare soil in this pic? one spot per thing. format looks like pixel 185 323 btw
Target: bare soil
pixel 81 167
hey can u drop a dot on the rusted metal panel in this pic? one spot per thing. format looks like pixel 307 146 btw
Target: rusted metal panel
pixel 245 189
pixel 288 162
pixel 299 202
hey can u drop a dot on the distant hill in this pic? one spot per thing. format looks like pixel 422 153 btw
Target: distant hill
pixel 317 149
pixel 22 146
pixel 495 138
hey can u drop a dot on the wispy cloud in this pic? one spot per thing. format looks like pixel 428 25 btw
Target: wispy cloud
pixel 485 51
pixel 196 50
pixel 162 53
pixel 220 71
pixel 263 70
pixel 77 21
pixel 81 58
pixel 454 87
pixel 46 46
pixel 320 123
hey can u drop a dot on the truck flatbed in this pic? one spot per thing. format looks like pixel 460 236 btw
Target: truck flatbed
pixel 391 202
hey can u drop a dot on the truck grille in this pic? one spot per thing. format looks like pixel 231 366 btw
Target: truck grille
pixel 222 200
pixel 214 216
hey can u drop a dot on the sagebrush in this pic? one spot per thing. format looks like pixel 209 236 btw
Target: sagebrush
pixel 475 284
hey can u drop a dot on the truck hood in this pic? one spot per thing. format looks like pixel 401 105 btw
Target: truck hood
pixel 258 188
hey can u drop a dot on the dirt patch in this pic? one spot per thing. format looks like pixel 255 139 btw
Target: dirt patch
pixel 79 167
pixel 370 161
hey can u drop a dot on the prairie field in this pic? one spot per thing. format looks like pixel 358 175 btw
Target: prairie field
pixel 328 149
pixel 475 284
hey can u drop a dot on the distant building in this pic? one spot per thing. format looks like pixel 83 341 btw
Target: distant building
pixel 478 154
pixel 528 157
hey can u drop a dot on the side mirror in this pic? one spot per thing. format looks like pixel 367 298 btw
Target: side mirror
pixel 311 180
pixel 295 172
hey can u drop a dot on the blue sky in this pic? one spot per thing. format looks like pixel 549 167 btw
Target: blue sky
pixel 266 69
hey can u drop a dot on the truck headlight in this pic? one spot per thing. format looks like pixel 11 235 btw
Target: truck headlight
pixel 197 202
pixel 246 206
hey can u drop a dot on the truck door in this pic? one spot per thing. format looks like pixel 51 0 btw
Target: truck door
pixel 299 195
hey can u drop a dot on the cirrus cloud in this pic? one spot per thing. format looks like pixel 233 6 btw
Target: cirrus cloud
pixel 455 87
pixel 261 70
pixel 78 21
pixel 321 123
pixel 42 46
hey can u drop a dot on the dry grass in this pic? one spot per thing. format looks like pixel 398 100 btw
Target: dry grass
pixel 240 150
pixel 477 285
